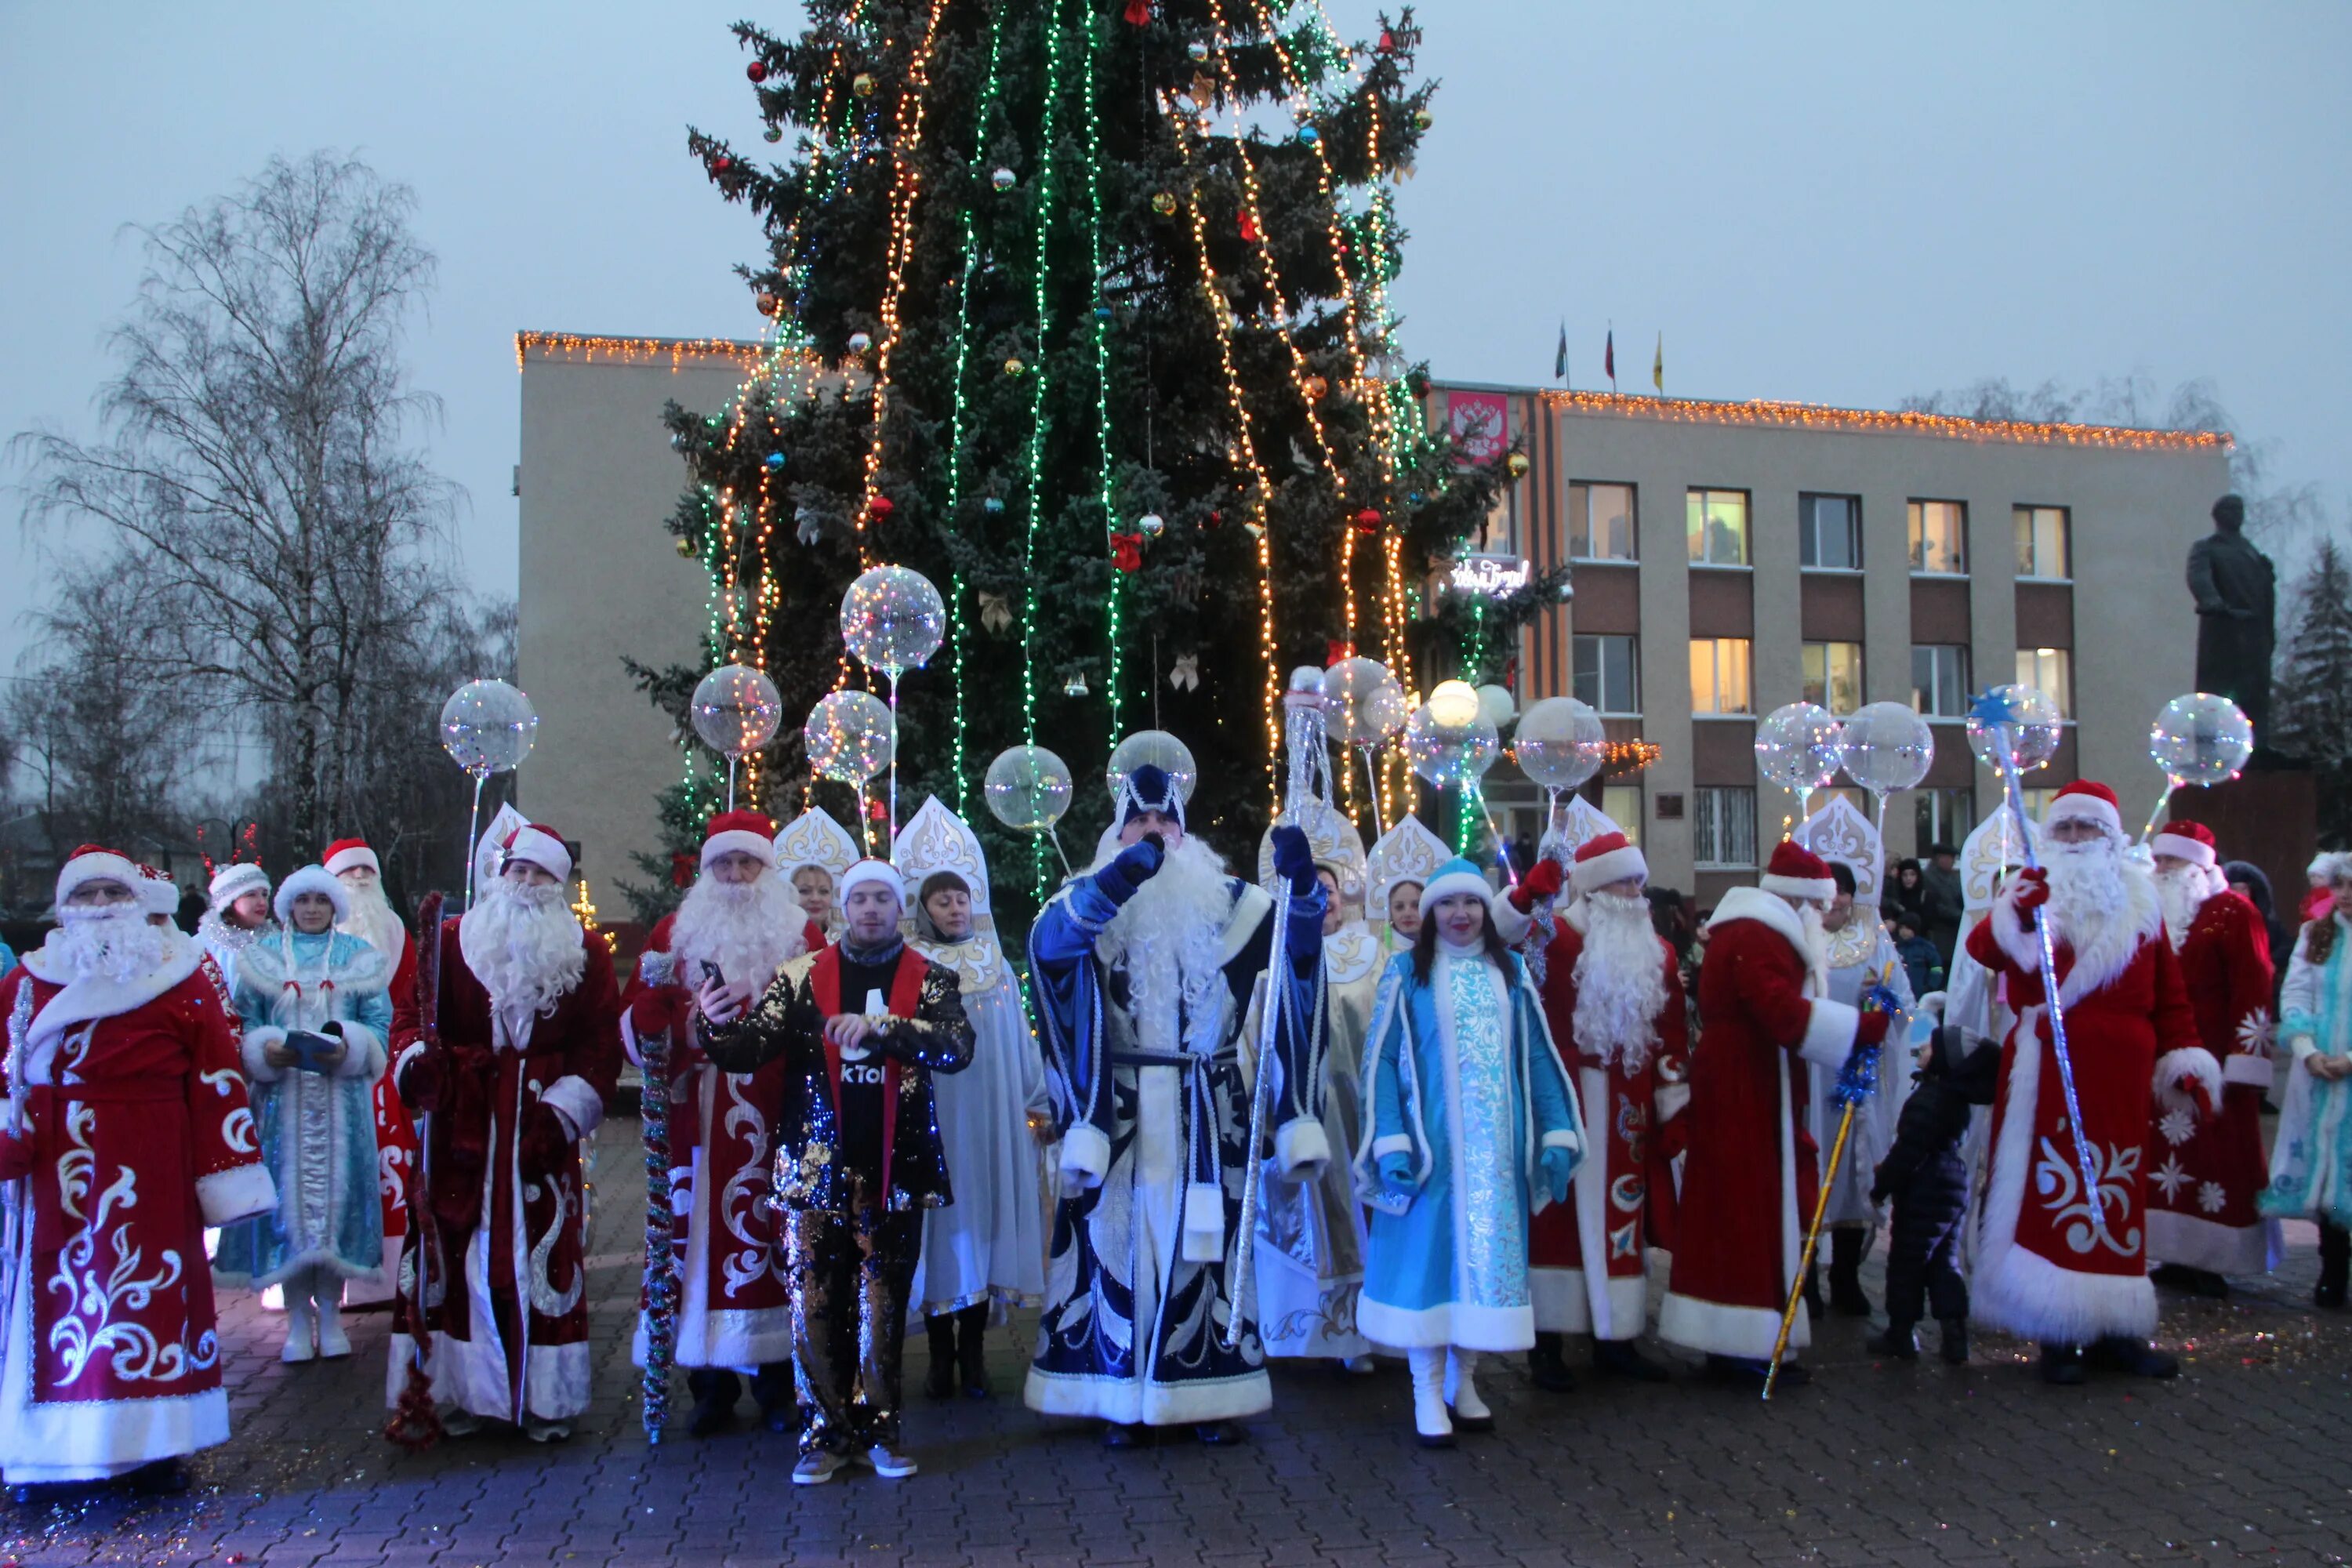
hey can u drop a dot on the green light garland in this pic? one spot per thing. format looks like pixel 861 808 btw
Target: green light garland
pixel 1042 205
pixel 1112 601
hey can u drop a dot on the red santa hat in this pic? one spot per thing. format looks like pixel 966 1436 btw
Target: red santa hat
pixel 1796 872
pixel 312 880
pixel 229 883
pixel 536 844
pixel 2086 801
pixel 96 863
pixel 1604 859
pixel 871 870
pixel 741 832
pixel 350 855
pixel 2190 841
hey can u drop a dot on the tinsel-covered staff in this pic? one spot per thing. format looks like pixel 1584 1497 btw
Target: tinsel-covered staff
pixel 15 1196
pixel 661 1273
pixel 1856 1081
pixel 415 1424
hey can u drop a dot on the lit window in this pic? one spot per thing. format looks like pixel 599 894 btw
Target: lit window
pixel 1939 536
pixel 1943 816
pixel 1939 679
pixel 1829 533
pixel 1717 523
pixel 2053 670
pixel 1621 803
pixel 1833 676
pixel 1606 674
pixel 1719 675
pixel 2044 548
pixel 1723 829
pixel 1601 522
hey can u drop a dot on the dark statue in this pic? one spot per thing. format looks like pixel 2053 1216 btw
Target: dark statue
pixel 2236 590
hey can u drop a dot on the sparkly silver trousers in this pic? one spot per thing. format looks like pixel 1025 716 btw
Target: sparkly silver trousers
pixel 850 1275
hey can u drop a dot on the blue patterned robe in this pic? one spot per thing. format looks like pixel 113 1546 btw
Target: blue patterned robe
pixel 2311 1158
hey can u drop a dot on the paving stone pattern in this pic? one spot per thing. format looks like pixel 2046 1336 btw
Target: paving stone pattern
pixel 2247 1457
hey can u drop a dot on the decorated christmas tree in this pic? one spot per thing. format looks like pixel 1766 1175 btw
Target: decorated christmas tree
pixel 1080 309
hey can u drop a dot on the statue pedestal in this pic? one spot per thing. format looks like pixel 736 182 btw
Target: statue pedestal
pixel 2269 819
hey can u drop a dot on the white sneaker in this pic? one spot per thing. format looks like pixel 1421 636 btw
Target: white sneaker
pixel 886 1464
pixel 458 1422
pixel 540 1431
pixel 815 1470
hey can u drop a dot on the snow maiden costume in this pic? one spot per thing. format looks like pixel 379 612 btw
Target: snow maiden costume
pixel 318 1127
pixel 375 921
pixel 1142 967
pixel 1474 1128
pixel 2311 1165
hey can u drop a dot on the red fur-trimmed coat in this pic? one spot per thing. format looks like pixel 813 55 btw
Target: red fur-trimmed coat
pixel 2203 1177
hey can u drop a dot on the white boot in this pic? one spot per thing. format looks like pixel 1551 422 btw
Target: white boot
pixel 1470 1412
pixel 300 1345
pixel 1429 1418
pixel 328 1298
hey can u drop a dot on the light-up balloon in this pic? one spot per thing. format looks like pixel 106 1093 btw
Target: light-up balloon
pixel 850 736
pixel 1446 753
pixel 2032 731
pixel 1560 743
pixel 1799 746
pixel 736 710
pixel 892 619
pixel 1888 747
pixel 2200 739
pixel 1028 788
pixel 1162 751
pixel 487 727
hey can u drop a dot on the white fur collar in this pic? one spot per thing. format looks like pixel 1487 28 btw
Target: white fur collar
pixel 1772 909
pixel 2096 964
pixel 92 996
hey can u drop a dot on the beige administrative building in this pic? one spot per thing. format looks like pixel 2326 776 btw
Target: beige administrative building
pixel 1727 558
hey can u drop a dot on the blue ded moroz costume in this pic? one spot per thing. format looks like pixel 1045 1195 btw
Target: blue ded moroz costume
pixel 1142 969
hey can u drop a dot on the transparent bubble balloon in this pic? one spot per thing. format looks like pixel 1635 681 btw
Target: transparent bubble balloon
pixel 892 619
pixel 2200 739
pixel 1560 743
pixel 1162 751
pixel 1348 688
pixel 849 736
pixel 487 727
pixel 1028 788
pixel 2032 731
pixel 1497 705
pixel 1453 704
pixel 1888 747
pixel 1450 753
pixel 736 710
pixel 1800 746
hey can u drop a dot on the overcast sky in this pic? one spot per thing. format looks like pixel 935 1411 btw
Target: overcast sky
pixel 1839 204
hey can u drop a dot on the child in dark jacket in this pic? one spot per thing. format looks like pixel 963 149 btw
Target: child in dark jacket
pixel 1921 963
pixel 1928 1179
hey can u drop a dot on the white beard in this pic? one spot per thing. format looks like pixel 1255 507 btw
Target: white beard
pixel 2183 892
pixel 113 943
pixel 2101 905
pixel 1621 984
pixel 373 921
pixel 749 930
pixel 524 946
pixel 1817 946
pixel 1171 938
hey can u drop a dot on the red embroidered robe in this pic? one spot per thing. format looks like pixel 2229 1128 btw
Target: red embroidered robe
pixel 2203 1179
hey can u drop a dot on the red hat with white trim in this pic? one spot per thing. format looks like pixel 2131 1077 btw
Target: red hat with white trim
pixel 2190 841
pixel 2086 801
pixel 96 863
pixel 536 844
pixel 348 855
pixel 1604 859
pixel 741 832
pixel 1796 872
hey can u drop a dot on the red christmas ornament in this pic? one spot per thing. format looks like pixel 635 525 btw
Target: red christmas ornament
pixel 1368 521
pixel 1336 651
pixel 1127 551
pixel 880 508
pixel 1388 42
pixel 1249 228
pixel 757 71
pixel 1138 12
pixel 722 164
pixel 681 870
pixel 1215 518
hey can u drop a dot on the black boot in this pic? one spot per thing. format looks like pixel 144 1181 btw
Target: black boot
pixel 2335 1263
pixel 1222 1433
pixel 1623 1358
pixel 971 1359
pixel 1846 1298
pixel 2201 1283
pixel 1956 1340
pixel 1900 1340
pixel 2119 1352
pixel 2062 1364
pixel 1814 1291
pixel 714 1390
pixel 939 1381
pixel 1546 1369
pixel 779 1400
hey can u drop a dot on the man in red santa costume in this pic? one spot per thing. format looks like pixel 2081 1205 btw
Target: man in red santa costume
pixel 375 921
pixel 734 1312
pixel 526 1049
pixel 1749 1182
pixel 2053 1263
pixel 124 1132
pixel 1613 997
pixel 2203 1178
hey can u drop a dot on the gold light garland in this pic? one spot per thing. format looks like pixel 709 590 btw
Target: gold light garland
pixel 1820 416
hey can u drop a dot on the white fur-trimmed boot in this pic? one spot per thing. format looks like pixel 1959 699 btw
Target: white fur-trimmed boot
pixel 329 1300
pixel 1429 1418
pixel 301 1344
pixel 1470 1412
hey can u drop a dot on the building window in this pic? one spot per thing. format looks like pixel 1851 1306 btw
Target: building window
pixel 1719 675
pixel 1621 803
pixel 2053 670
pixel 2044 541
pixel 1601 522
pixel 2037 800
pixel 1939 679
pixel 1718 528
pixel 1939 531
pixel 1943 817
pixel 1606 674
pixel 1829 533
pixel 1833 676
pixel 1723 829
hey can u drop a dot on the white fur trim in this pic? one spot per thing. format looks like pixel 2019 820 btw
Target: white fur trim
pixel 1203 1238
pixel 543 850
pixel 362 1052
pixel 1453 883
pixel 1086 1155
pixel 1670 1100
pixel 1510 923
pixel 230 883
pixel 408 1053
pixel 252 1051
pixel 1301 1147
pixel 1562 1137
pixel 1394 1144
pixel 2023 946
pixel 2188 849
pixel 2197 1242
pixel 1603 870
pixel 575 1100
pixel 2187 1061
pixel 2025 1294
pixel 656 967
pixel 2244 1068
pixel 310 879
pixel 1132 1401
pixel 1756 904
pixel 865 871
pixel 1558 1297
pixel 1829 1030
pixel 739 840
pixel 2083 808
pixel 1718 1329
pixel 358 855
pixel 239 1193
pixel 1449 1323
pixel 1820 889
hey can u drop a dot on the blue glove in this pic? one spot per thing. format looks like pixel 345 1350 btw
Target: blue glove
pixel 1396 1175
pixel 1137 864
pixel 1559 1169
pixel 1294 861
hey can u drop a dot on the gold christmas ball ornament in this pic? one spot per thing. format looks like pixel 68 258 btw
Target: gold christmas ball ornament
pixel 1518 465
pixel 1422 120
pixel 685 546
pixel 768 304
pixel 862 84
pixel 1164 203
pixel 1014 367
pixel 1314 387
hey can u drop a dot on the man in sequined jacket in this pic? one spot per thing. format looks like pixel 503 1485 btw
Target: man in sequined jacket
pixel 861 1025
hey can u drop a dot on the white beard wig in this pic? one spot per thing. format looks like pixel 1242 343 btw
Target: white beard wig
pixel 2103 906
pixel 749 930
pixel 1817 945
pixel 111 942
pixel 1621 983
pixel 523 944
pixel 2183 891
pixel 1169 937
pixel 372 919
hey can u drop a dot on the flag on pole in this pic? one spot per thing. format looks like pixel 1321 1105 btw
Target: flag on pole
pixel 1609 359
pixel 1658 365
pixel 1560 358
